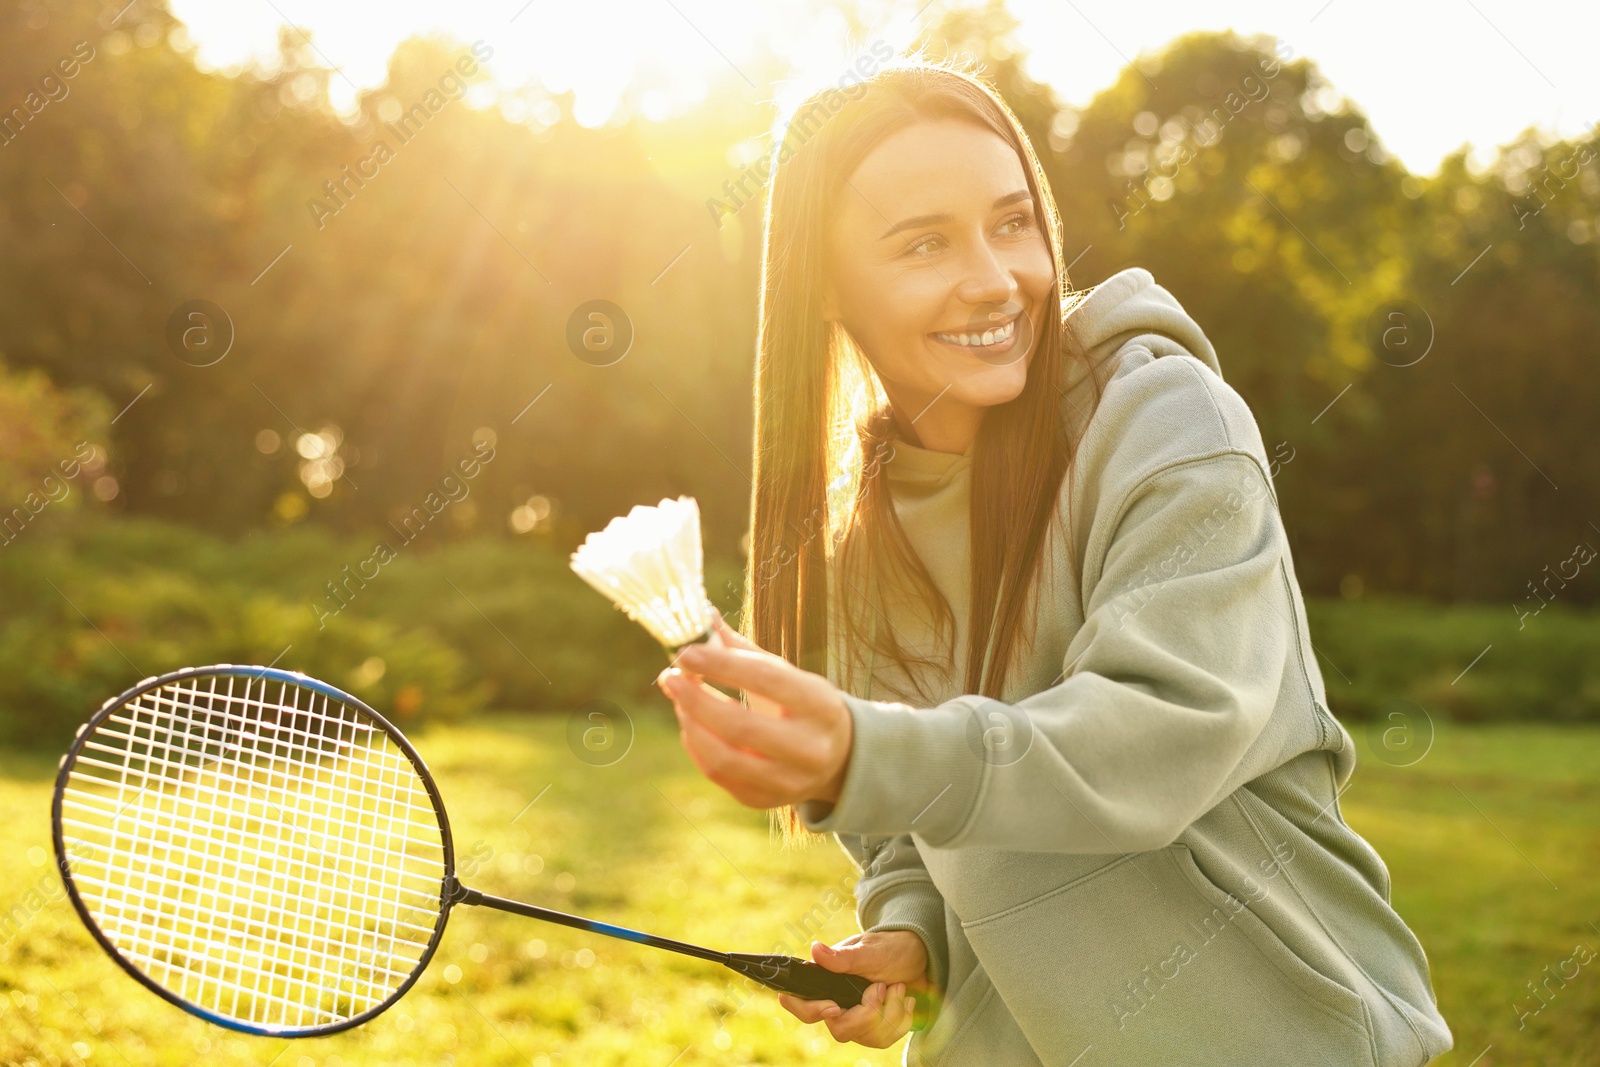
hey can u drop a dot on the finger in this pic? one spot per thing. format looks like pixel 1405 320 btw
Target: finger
pixel 846 957
pixel 853 1024
pixel 897 1013
pixel 706 722
pixel 696 740
pixel 675 671
pixel 891 1005
pixel 776 756
pixel 728 637
pixel 891 1022
pixel 691 744
pixel 756 671
pixel 866 957
pixel 729 719
pixel 712 756
pixel 808 1011
pixel 733 638
pixel 861 1020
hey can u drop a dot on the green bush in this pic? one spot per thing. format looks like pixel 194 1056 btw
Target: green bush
pixel 1379 651
pixel 51 440
pixel 535 633
pixel 91 605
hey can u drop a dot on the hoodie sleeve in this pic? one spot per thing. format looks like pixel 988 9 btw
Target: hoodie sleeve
pixel 1167 684
pixel 895 892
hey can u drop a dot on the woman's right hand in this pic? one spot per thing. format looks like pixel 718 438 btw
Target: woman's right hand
pixel 896 963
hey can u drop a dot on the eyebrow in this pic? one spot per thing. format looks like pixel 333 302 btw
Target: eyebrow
pixel 928 220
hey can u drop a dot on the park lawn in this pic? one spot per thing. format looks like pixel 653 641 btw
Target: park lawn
pixel 1492 840
pixel 646 842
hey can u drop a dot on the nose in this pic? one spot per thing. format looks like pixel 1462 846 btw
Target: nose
pixel 985 278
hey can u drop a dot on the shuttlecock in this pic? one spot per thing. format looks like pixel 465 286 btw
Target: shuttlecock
pixel 650 563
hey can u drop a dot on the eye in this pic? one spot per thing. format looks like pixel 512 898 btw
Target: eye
pixel 924 245
pixel 1015 224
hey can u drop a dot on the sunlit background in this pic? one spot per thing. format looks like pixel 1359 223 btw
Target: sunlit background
pixel 324 340
pixel 1506 71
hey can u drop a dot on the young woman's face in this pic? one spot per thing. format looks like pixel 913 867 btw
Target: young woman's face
pixel 937 267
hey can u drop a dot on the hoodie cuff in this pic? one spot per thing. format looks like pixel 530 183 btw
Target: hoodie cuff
pixel 912 770
pixel 917 906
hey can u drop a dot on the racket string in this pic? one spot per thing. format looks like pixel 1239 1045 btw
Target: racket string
pixel 235 799
pixel 240 720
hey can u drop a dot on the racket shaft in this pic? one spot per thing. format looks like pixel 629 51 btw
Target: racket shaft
pixel 532 911
pixel 783 973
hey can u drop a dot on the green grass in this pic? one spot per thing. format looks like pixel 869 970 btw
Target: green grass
pixel 648 843
pixel 1492 840
pixel 645 842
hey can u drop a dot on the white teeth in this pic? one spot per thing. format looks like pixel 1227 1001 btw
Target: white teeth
pixel 978 340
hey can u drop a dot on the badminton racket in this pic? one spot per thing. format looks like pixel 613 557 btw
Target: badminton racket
pixel 267 852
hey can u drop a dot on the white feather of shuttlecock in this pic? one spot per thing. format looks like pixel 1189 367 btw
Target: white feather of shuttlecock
pixel 650 563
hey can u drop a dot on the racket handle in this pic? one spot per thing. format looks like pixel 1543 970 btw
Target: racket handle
pixel 800 978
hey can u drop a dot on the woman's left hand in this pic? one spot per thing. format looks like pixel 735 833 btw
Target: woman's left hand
pixel 790 744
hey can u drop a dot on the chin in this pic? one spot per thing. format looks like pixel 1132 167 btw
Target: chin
pixel 988 394
pixel 982 391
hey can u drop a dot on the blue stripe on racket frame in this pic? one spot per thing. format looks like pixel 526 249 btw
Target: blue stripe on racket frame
pixel 265 851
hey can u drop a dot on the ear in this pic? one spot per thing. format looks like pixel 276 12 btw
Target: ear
pixel 830 302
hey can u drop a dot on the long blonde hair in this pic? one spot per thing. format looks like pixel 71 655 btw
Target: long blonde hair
pixel 823 425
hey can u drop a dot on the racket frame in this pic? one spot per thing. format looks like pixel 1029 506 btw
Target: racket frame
pixel 449 893
pixel 776 972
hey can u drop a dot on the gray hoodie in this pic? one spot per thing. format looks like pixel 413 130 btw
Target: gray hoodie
pixel 1137 856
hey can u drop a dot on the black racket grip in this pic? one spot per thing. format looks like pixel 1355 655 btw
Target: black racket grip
pixel 800 978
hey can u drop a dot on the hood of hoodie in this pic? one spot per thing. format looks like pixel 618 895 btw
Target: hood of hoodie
pixel 1130 308
pixel 1127 311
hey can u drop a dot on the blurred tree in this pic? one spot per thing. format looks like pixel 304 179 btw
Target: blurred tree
pixel 50 441
pixel 1262 198
pixel 397 285
pixel 1487 478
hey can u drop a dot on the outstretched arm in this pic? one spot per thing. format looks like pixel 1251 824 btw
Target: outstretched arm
pixel 1167 687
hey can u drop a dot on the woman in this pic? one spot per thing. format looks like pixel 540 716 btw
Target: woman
pixel 1025 634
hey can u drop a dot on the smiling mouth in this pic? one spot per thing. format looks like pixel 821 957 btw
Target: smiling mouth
pixel 984 342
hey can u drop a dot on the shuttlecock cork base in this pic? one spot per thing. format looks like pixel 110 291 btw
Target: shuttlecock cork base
pixel 650 563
